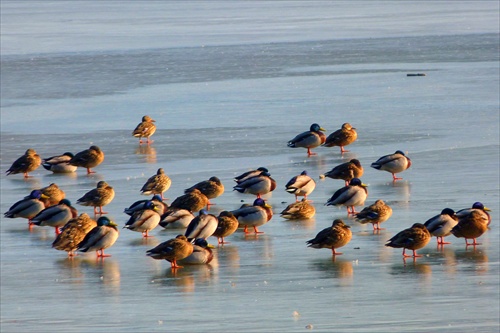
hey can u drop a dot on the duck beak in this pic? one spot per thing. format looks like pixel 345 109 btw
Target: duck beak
pixel 364 185
pixel 487 209
pixel 210 246
pixel 44 196
pixel 322 129
pixel 112 224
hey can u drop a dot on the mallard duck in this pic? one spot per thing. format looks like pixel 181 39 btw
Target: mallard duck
pixel 252 173
pixel 30 161
pixel 310 139
pixel 257 185
pixel 202 226
pixel 192 201
pixel 102 195
pixel 301 185
pixel 172 250
pixel 54 194
pixel 212 188
pixel 352 195
pixel 441 225
pixel 227 224
pixel 161 207
pixel 157 184
pixel 375 214
pixel 202 254
pixel 73 233
pixel 59 163
pixel 101 237
pixel 470 226
pixel 346 171
pixel 145 129
pixel 56 216
pixel 88 158
pixel 299 210
pixel 144 220
pixel 254 216
pixel 334 237
pixel 413 238
pixel 476 206
pixel 393 163
pixel 176 218
pixel 341 137
pixel 28 207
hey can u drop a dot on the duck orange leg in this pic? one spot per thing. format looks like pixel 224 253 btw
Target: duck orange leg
pixel 173 264
pixel 335 253
pixel 474 243
pixel 309 152
pixel 440 241
pixel 342 150
pixel 257 231
pixel 394 178
pixel 100 254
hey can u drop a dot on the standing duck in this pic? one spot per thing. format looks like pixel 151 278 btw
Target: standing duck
pixel 30 161
pixel 56 216
pixel 479 207
pixel 202 254
pixel 28 207
pixel 257 185
pixel 54 194
pixel 172 250
pixel 470 226
pixel 346 171
pixel 299 210
pixel 176 218
pixel 202 226
pixel 227 224
pixel 102 195
pixel 157 184
pixel 393 163
pixel 413 238
pixel 342 137
pixel 192 201
pixel 252 173
pixel 161 207
pixel 352 195
pixel 301 185
pixel 375 214
pixel 334 237
pixel 59 163
pixel 73 233
pixel 441 225
pixel 88 158
pixel 145 129
pixel 253 216
pixel 310 139
pixel 144 220
pixel 101 237
pixel 212 188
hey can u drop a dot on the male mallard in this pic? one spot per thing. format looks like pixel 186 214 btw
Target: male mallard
pixel 310 139
pixel 88 158
pixel 257 185
pixel 393 163
pixel 254 216
pixel 161 207
pixel 30 161
pixel 375 214
pixel 212 188
pixel 59 163
pixel 144 220
pixel 479 207
pixel 192 201
pixel 101 237
pixel 334 237
pixel 341 137
pixel 54 194
pixel 352 195
pixel 202 254
pixel 346 171
pixel 176 218
pixel 441 225
pixel 28 207
pixel 157 184
pixel 102 195
pixel 413 238
pixel 145 129
pixel 470 226
pixel 299 210
pixel 172 250
pixel 56 216
pixel 227 224
pixel 301 185
pixel 73 233
pixel 202 226
pixel 252 173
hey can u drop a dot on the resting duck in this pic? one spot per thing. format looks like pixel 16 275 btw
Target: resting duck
pixel 144 220
pixel 176 218
pixel 28 207
pixel 346 171
pixel 202 226
pixel 352 195
pixel 342 137
pixel 88 158
pixel 202 254
pixel 161 207
pixel 227 224
pixel 252 173
pixel 73 234
pixel 479 207
pixel 413 238
pixel 54 194
pixel 441 225
pixel 145 129
pixel 310 139
pixel 301 185
pixel 299 210
pixel 375 214
pixel 172 250
pixel 25 164
pixel 157 184
pixel 56 216
pixel 102 195
pixel 257 185
pixel 470 226
pixel 101 237
pixel 253 216
pixel 393 163
pixel 334 237
pixel 193 201
pixel 59 163
pixel 212 188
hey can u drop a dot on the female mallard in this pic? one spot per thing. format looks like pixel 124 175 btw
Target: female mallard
pixel 88 158
pixel 102 195
pixel 310 139
pixel 28 207
pixel 30 161
pixel 413 238
pixel 301 185
pixel 144 220
pixel 157 184
pixel 73 233
pixel 176 218
pixel 59 163
pixel 56 216
pixel 342 137
pixel 212 188
pixel 202 254
pixel 441 225
pixel 227 224
pixel 393 163
pixel 375 214
pixel 253 216
pixel 252 173
pixel 54 194
pixel 299 210
pixel 470 226
pixel 161 207
pixel 192 201
pixel 101 237
pixel 346 171
pixel 257 185
pixel 145 129
pixel 352 195
pixel 172 250
pixel 202 226
pixel 479 207
pixel 334 237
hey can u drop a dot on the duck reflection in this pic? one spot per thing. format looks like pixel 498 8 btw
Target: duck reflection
pixel 107 271
pixel 472 259
pixel 403 191
pixel 145 241
pixel 148 153
pixel 229 257
pixel 186 279
pixel 338 268
pixel 70 270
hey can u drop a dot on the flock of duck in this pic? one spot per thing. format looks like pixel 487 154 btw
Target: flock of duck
pixel 48 206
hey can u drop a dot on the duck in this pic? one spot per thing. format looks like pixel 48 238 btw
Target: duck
pixel 54 194
pixel 211 188
pixel 341 137
pixel 28 207
pixel 310 139
pixel 202 226
pixel 470 226
pixel 59 163
pixel 73 233
pixel 476 206
pixel 176 218
pixel 193 201
pixel 334 237
pixel 413 238
pixel 100 196
pixel 172 250
pixel 257 185
pixel 254 216
pixel 161 207
pixel 375 214
pixel 88 158
pixel 157 184
pixel 346 171
pixel 248 174
pixel 101 237
pixel 25 164
pixel 145 129
pixel 202 254
pixel 227 224
pixel 301 185
pixel 393 163
pixel 299 210
pixel 441 225
pixel 56 216
pixel 352 195
pixel 144 220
